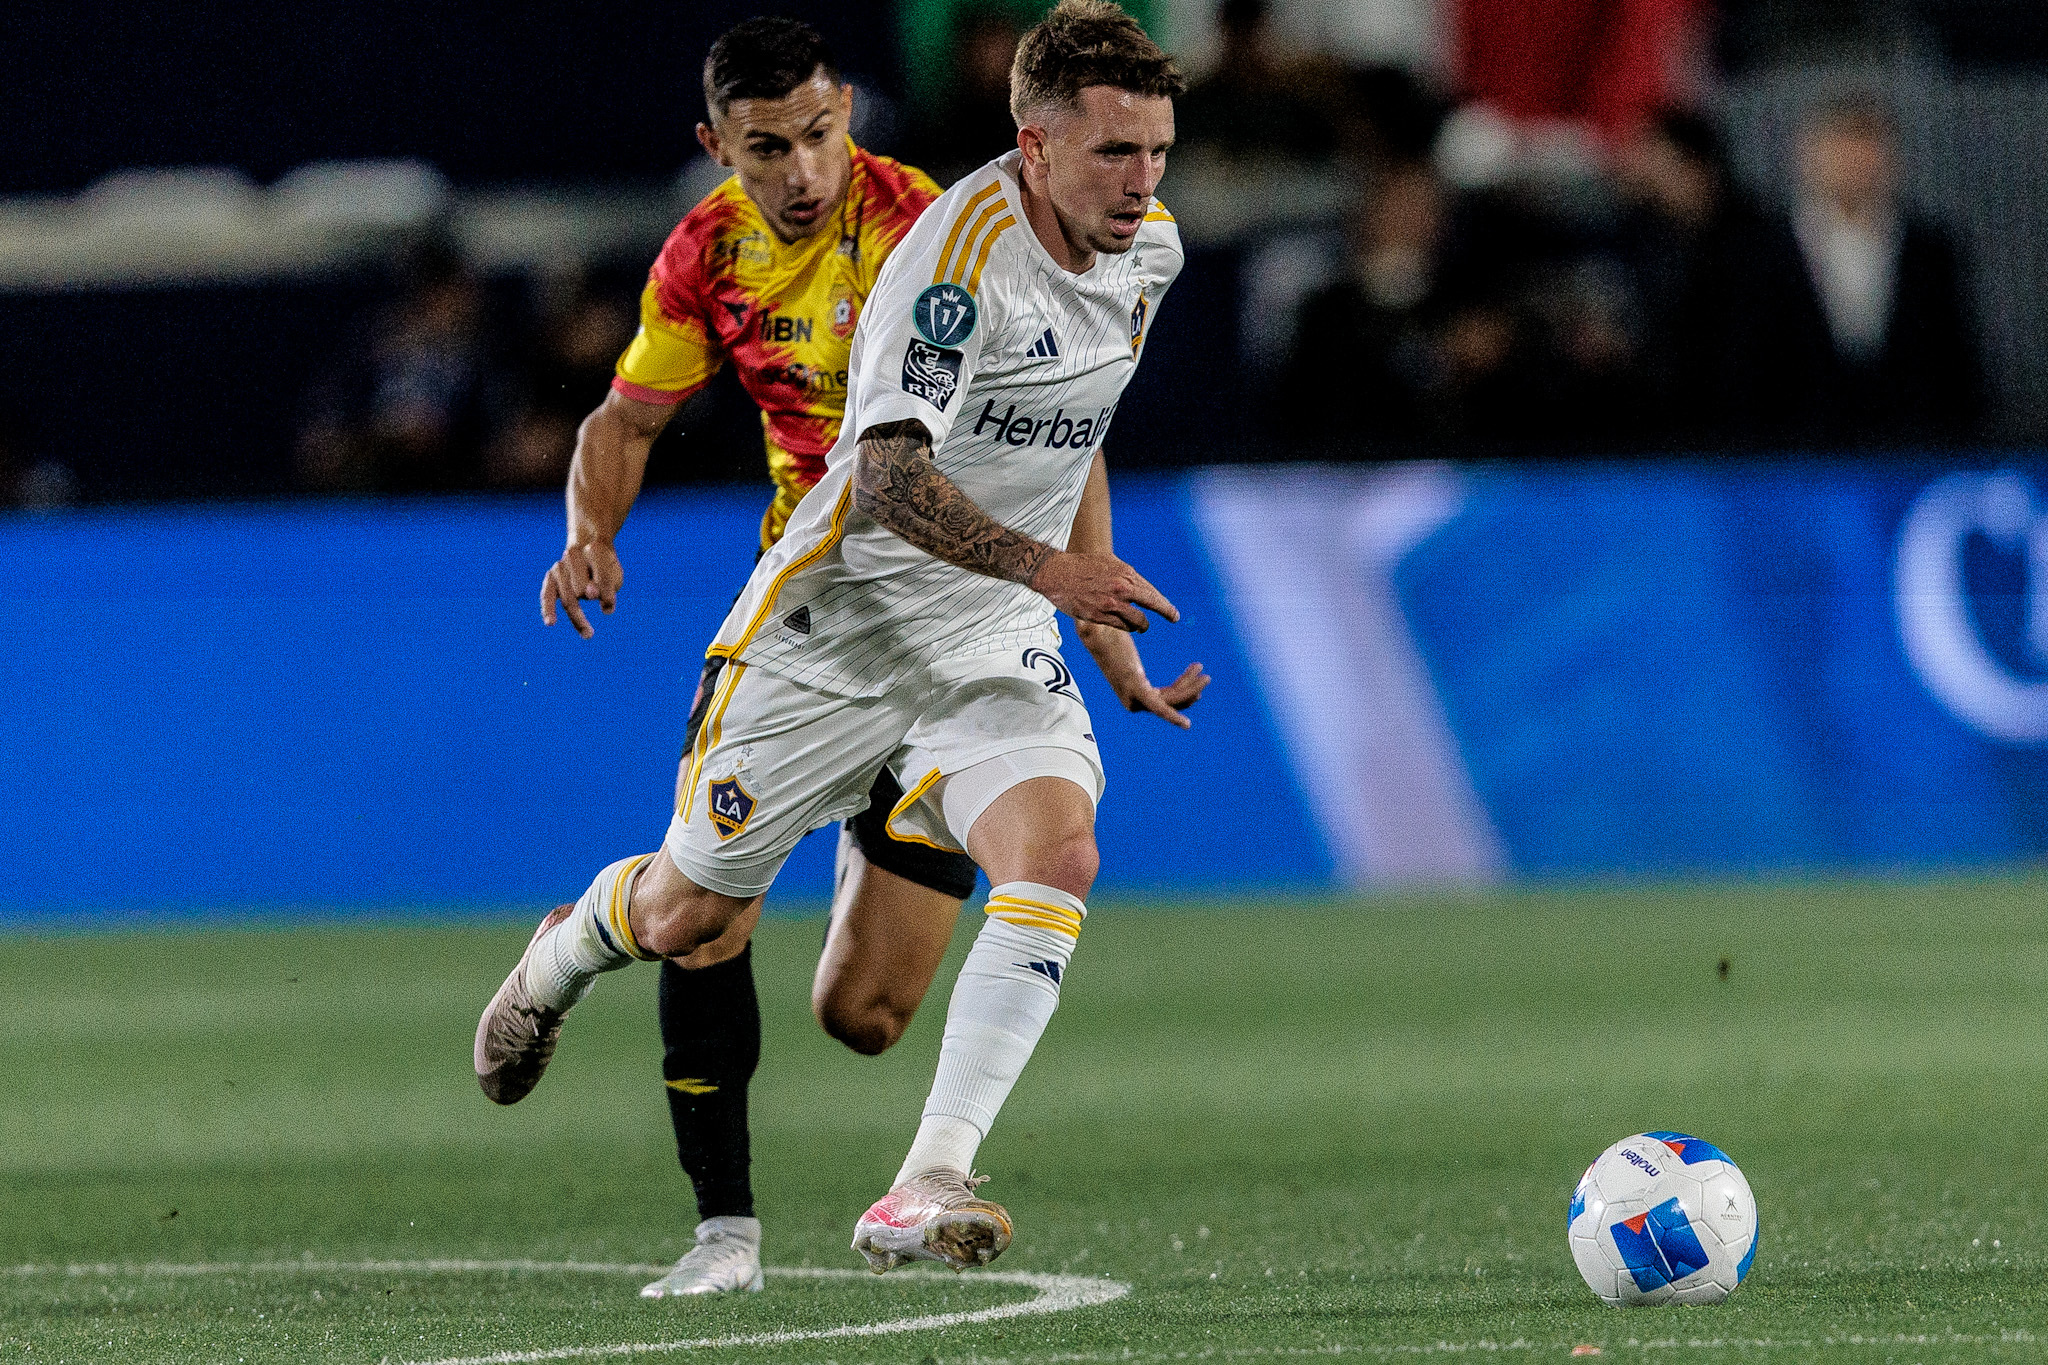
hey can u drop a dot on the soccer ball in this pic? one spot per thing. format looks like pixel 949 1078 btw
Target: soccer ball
pixel 1662 1218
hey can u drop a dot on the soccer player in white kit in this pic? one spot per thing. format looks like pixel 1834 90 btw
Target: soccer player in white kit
pixel 906 618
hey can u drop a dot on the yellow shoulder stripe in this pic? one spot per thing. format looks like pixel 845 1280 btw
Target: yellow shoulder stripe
pixel 809 557
pixel 953 238
pixel 959 272
pixel 1159 214
pixel 997 229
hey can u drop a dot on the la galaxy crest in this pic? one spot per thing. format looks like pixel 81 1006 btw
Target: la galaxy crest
pixel 732 805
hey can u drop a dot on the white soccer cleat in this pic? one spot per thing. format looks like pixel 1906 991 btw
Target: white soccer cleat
pixel 934 1216
pixel 726 1260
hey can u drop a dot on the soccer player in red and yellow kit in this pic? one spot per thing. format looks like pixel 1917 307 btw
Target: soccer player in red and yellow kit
pixel 767 274
pixel 730 286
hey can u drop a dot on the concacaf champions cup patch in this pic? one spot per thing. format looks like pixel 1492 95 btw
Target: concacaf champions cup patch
pixel 931 373
pixel 731 806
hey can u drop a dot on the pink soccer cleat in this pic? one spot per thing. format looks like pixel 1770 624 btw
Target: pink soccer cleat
pixel 934 1216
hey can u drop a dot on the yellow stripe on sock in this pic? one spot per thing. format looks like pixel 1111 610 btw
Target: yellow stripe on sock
pixel 1007 899
pixel 1034 921
pixel 621 921
pixel 1041 907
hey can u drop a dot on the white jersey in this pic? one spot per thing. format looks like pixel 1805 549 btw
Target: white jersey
pixel 1015 366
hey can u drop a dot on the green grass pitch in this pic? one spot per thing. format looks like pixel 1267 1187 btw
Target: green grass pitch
pixel 1295 1130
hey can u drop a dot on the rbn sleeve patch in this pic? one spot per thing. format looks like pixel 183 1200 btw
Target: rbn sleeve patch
pixel 931 373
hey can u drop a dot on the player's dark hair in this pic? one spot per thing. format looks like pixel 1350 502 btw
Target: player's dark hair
pixel 764 59
pixel 1083 43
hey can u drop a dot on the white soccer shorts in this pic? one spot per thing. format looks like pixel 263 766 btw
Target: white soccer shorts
pixel 775 760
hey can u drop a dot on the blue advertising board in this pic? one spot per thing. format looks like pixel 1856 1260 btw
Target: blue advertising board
pixel 307 708
pixel 1423 672
pixel 1650 670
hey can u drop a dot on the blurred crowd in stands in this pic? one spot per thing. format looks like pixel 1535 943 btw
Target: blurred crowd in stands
pixel 1687 317
pixel 1476 299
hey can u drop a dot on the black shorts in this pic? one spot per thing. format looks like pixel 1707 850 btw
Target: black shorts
pixel 936 869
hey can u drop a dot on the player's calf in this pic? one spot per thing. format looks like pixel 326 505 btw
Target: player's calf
pixel 638 909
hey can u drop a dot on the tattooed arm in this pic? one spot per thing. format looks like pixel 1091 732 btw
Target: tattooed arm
pixel 898 487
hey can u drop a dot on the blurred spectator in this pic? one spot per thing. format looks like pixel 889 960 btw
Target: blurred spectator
pixel 930 33
pixel 1712 283
pixel 1374 336
pixel 1879 336
pixel 971 123
pixel 1423 340
pixel 28 483
pixel 409 404
pixel 1256 102
pixel 568 375
pixel 1461 324
pixel 1609 64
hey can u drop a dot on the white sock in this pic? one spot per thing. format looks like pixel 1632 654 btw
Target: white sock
pixel 1007 991
pixel 596 937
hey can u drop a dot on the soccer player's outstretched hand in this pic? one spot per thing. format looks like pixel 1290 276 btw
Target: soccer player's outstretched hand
pixel 1116 654
pixel 589 572
pixel 1101 589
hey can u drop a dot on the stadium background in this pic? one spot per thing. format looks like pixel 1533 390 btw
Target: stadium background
pixel 1609 733
pixel 336 286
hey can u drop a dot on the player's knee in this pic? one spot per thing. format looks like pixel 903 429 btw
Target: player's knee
pixel 869 1024
pixel 674 917
pixel 1066 858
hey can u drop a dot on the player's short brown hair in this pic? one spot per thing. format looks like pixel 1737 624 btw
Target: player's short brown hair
pixel 1083 43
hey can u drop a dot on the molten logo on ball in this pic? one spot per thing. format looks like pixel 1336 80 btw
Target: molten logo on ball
pixel 1663 1218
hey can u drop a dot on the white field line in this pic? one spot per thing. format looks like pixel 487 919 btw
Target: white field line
pixel 309 1266
pixel 1056 1294
pixel 1519 1345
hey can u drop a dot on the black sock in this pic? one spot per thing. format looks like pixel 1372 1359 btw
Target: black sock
pixel 711 1039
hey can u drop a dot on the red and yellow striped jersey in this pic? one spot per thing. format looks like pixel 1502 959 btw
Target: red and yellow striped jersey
pixel 726 287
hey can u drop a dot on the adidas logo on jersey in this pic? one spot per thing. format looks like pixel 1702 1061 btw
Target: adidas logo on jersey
pixel 1045 348
pixel 798 621
pixel 1049 970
